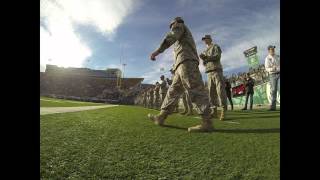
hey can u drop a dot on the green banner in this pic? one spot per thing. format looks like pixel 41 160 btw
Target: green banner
pixel 261 96
pixel 253 61
pixel 252 57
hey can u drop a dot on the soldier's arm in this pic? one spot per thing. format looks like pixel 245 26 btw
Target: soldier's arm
pixel 213 54
pixel 171 37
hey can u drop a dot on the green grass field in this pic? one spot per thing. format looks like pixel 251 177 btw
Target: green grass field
pixel 121 143
pixel 52 102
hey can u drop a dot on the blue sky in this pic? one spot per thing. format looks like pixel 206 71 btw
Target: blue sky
pixel 97 33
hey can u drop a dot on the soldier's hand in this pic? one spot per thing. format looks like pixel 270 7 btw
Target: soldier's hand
pixel 153 55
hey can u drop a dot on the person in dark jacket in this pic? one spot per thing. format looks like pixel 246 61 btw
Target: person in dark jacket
pixel 249 84
pixel 228 91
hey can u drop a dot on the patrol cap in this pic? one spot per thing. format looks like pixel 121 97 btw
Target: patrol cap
pixel 271 47
pixel 176 19
pixel 207 36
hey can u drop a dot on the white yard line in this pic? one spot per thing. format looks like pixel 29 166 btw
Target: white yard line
pixel 63 101
pixel 54 110
pixel 231 122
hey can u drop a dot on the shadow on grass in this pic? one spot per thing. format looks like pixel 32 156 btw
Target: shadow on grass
pixel 248 112
pixel 174 127
pixel 256 117
pixel 262 131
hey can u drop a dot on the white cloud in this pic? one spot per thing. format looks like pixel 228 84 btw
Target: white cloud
pixel 58 39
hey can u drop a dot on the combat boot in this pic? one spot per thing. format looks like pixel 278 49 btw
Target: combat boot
pixel 214 113
pixel 206 126
pixel 158 119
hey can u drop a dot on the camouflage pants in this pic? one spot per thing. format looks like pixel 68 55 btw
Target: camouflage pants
pixel 216 87
pixel 187 104
pixel 187 77
pixel 151 103
pixel 163 95
pixel 156 101
pixel 144 102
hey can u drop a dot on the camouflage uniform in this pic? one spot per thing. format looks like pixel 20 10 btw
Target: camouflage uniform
pixel 163 90
pixel 150 95
pixel 144 99
pixel 216 86
pixel 187 104
pixel 156 97
pixel 187 77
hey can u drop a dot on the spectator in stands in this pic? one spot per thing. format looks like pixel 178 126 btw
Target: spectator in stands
pixel 272 65
pixel 249 84
pixel 228 91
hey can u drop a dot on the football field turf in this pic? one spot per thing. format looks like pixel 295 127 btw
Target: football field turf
pixel 121 143
pixel 53 102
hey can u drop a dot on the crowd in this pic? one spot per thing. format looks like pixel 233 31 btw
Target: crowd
pixel 86 88
pixel 154 95
pixel 259 74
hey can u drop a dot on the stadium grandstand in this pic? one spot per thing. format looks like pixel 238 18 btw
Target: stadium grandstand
pixel 86 84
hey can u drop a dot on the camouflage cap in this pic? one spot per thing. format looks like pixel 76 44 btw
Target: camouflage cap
pixel 271 47
pixel 175 20
pixel 207 36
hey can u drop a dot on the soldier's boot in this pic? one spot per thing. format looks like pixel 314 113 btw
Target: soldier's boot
pixel 205 126
pixel 222 115
pixel 158 119
pixel 214 113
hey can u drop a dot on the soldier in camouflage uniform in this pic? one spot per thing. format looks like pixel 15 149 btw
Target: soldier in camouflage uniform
pixel 163 88
pixel 187 76
pixel 216 86
pixel 169 81
pixel 150 97
pixel 157 96
pixel 187 104
pixel 144 99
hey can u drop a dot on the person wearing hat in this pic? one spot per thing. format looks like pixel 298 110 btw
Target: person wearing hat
pixel 163 88
pixel 249 84
pixel 145 98
pixel 150 97
pixel 216 85
pixel 272 66
pixel 228 91
pixel 187 76
pixel 156 95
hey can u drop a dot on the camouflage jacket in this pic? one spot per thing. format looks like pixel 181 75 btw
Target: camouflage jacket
pixel 156 90
pixel 163 86
pixel 184 45
pixel 212 56
pixel 150 94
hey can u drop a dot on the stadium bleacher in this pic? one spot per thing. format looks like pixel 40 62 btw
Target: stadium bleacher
pixel 86 85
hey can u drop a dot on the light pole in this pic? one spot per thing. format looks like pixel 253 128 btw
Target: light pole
pixel 124 65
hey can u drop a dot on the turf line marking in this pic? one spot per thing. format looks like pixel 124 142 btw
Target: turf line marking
pixel 54 110
pixel 63 101
pixel 231 122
